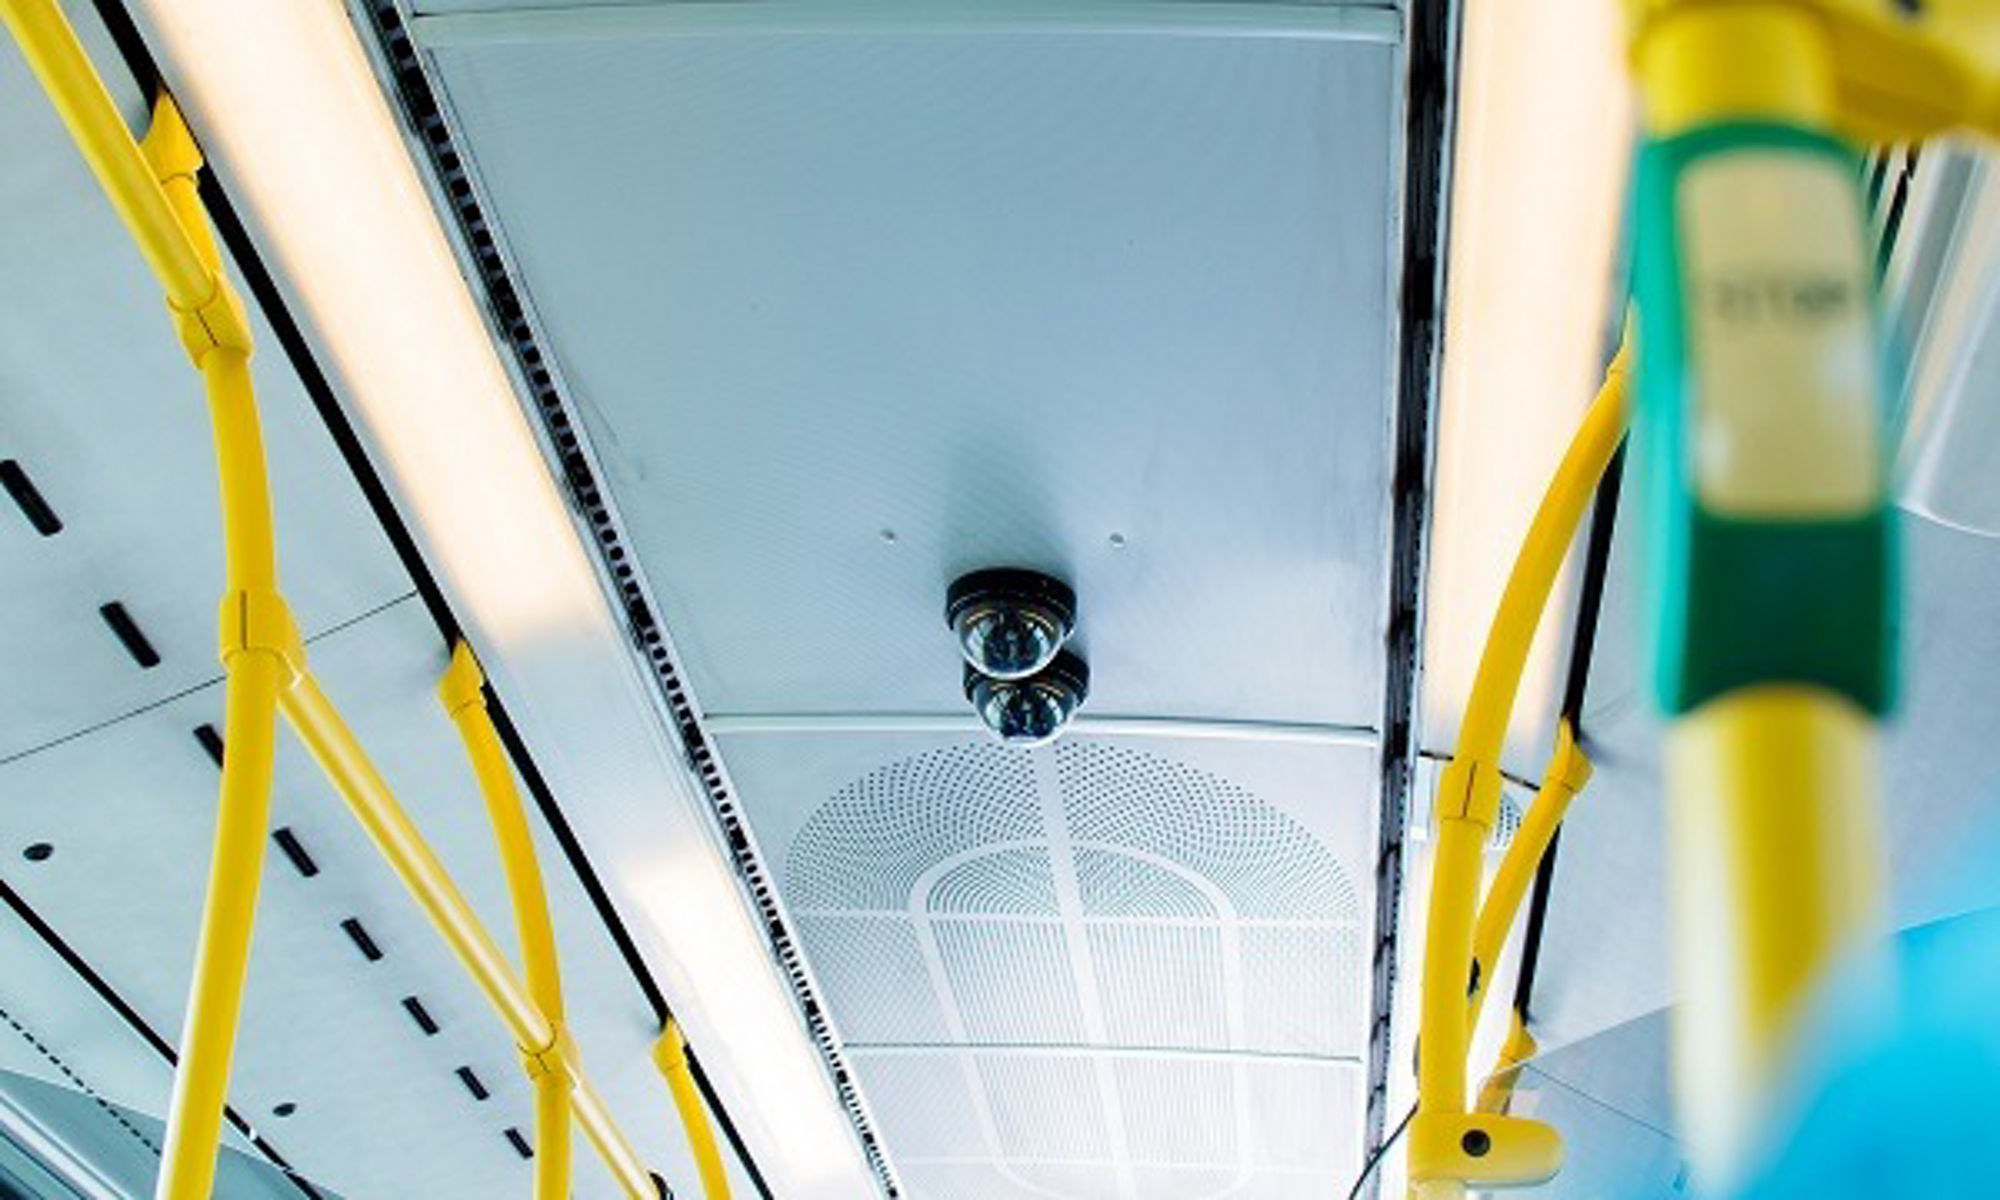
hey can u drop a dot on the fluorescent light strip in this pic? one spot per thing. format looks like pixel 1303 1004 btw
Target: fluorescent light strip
pixel 289 111
pixel 1545 120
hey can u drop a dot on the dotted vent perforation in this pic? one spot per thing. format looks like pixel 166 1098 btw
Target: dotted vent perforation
pixel 866 847
pixel 1086 970
pixel 1267 864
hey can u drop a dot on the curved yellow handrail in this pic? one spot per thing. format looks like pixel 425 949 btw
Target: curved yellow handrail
pixel 1567 772
pixel 459 691
pixel 1468 802
pixel 670 1055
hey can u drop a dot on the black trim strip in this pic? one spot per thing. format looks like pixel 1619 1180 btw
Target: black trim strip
pixel 264 291
pixel 1583 646
pixel 138 1024
pixel 472 1083
pixel 519 1143
pixel 1431 47
pixel 29 498
pixel 129 635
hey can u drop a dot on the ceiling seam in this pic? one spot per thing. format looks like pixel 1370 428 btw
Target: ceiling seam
pixel 55 1060
pixel 206 682
pixel 138 1024
pixel 424 111
pixel 1430 48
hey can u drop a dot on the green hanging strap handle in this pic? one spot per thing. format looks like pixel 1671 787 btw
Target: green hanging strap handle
pixel 1772 552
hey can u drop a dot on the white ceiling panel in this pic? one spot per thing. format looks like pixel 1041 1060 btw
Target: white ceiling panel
pixel 850 314
pixel 101 408
pixel 1112 967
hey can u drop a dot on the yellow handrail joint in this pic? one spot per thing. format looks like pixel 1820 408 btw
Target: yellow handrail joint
pixel 218 319
pixel 255 620
pixel 560 1057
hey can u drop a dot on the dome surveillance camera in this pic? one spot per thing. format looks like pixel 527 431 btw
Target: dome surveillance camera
pixel 1010 622
pixel 1031 711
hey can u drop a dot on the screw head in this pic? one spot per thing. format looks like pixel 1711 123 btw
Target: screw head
pixel 1476 1142
pixel 38 852
pixel 284 1108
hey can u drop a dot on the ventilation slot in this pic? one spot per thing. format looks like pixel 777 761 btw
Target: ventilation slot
pixel 210 741
pixel 295 851
pixel 357 934
pixel 129 635
pixel 29 499
pixel 472 1084
pixel 421 1015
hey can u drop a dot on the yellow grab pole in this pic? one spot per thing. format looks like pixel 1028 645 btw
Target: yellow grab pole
pixel 1447 1148
pixel 1496 1094
pixel 1567 772
pixel 459 693
pixel 552 1140
pixel 605 1137
pixel 670 1055
pixel 385 822
pixel 346 764
pixel 153 192
pixel 58 60
pixel 1775 872
pixel 222 955
pixel 1766 438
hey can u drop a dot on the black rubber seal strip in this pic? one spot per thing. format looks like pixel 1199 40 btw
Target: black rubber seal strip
pixel 138 1024
pixel 264 290
pixel 1430 44
pixel 1583 645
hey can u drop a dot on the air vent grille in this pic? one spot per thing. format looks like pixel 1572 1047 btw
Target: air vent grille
pixel 1104 970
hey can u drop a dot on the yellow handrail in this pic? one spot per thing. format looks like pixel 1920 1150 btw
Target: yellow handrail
pixel 385 822
pixel 154 191
pixel 670 1055
pixel 459 692
pixel 59 61
pixel 1449 1146
pixel 1567 772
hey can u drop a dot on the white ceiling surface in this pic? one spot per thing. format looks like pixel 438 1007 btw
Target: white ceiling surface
pixel 105 413
pixel 850 312
pixel 1116 966
pixel 1001 297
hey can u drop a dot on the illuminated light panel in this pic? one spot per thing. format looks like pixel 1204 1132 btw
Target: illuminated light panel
pixel 1545 120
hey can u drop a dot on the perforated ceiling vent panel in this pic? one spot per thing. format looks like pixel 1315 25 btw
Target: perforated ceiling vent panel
pixel 1107 968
